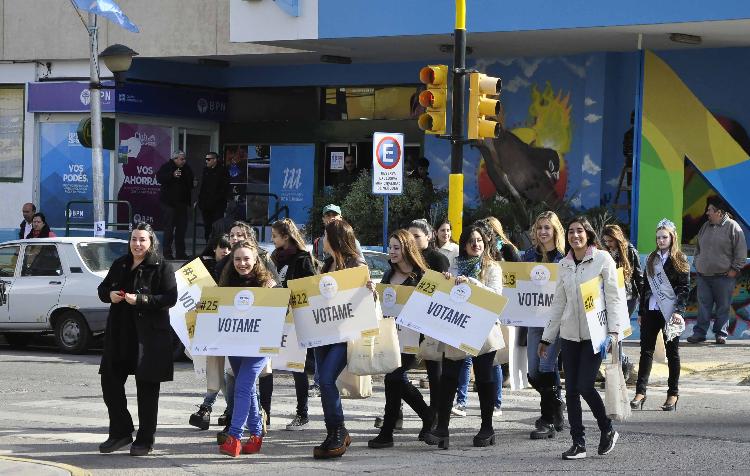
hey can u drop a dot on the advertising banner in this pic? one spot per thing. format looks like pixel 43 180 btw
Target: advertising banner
pixel 529 288
pixel 392 299
pixel 459 315
pixel 148 148
pixel 292 175
pixel 243 322
pixel 291 356
pixel 66 174
pixel 333 307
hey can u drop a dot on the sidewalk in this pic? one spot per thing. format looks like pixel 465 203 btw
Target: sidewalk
pixel 22 467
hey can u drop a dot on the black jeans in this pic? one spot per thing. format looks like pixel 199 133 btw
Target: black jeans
pixel 398 387
pixel 174 220
pixel 434 373
pixel 120 421
pixel 651 323
pixel 209 217
pixel 581 366
pixel 265 393
pixel 301 388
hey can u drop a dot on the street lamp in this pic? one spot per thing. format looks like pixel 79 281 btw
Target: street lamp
pixel 117 58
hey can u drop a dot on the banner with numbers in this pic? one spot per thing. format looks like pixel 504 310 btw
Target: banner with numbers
pixel 291 356
pixel 191 278
pixel 530 288
pixel 392 299
pixel 333 307
pixel 459 315
pixel 243 322
pixel 592 294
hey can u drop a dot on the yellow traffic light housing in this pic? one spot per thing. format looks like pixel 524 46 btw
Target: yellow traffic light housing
pixel 434 98
pixel 480 106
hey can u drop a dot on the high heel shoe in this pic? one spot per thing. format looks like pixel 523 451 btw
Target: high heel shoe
pixel 667 407
pixel 637 404
pixel 439 438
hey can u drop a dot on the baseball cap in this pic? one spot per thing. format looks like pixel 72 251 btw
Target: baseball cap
pixel 332 208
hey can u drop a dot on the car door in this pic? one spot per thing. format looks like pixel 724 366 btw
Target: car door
pixel 37 288
pixel 8 264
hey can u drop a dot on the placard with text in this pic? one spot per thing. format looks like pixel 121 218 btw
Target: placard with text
pixel 191 279
pixel 291 356
pixel 530 288
pixel 392 299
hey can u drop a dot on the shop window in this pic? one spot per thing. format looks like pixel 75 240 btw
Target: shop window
pixel 364 103
pixel 11 133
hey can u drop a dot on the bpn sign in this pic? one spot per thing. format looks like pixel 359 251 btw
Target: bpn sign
pixel 387 163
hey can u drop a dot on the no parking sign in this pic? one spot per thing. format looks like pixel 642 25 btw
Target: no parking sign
pixel 387 163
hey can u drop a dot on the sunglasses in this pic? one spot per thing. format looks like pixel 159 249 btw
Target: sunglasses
pixel 210 158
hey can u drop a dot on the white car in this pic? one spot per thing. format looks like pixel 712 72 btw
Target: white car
pixel 49 285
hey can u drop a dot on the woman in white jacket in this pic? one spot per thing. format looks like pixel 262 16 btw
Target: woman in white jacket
pixel 580 361
pixel 473 265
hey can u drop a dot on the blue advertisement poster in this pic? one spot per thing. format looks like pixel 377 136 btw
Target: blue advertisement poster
pixel 291 178
pixel 66 174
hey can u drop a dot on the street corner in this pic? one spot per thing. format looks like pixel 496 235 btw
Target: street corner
pixel 25 466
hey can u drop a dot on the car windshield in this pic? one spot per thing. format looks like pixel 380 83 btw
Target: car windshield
pixel 98 256
pixel 378 264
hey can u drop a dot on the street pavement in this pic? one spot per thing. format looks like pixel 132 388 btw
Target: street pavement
pixel 52 411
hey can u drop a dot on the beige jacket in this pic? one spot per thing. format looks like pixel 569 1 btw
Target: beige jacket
pixel 568 316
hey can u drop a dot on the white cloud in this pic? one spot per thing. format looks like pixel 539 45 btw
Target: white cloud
pixel 576 201
pixel 530 68
pixel 589 102
pixel 613 182
pixel 579 71
pixel 592 118
pixel 515 84
pixel 586 183
pixel 483 63
pixel 589 166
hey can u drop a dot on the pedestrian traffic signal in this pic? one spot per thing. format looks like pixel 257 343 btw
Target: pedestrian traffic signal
pixel 480 106
pixel 434 98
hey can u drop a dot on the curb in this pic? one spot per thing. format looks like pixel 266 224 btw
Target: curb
pixel 29 463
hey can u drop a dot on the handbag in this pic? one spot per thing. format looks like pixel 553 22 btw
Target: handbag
pixel 502 356
pixel 615 390
pixel 354 386
pixel 377 355
pixel 429 349
pixel 660 351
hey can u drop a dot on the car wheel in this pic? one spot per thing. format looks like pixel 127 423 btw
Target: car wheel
pixel 18 340
pixel 72 334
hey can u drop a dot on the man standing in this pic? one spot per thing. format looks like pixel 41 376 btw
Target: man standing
pixel 347 176
pixel 176 179
pixel 330 212
pixel 422 173
pixel 212 197
pixel 719 257
pixel 28 211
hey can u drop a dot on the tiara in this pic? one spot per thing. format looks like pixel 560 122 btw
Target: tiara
pixel 666 223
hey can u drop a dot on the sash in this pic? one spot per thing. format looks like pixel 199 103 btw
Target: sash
pixel 662 289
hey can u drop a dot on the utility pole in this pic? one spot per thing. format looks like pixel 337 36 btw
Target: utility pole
pixel 456 178
pixel 96 128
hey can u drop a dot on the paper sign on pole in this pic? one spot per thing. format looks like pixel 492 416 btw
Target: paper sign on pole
pixel 191 278
pixel 333 307
pixel 530 288
pixel 291 356
pixel 243 322
pixel 459 315
pixel 387 163
pixel 596 313
pixel 392 299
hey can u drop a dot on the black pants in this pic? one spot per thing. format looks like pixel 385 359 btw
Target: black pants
pixel 120 421
pixel 174 220
pixel 434 374
pixel 485 379
pixel 398 387
pixel 301 388
pixel 209 217
pixel 651 323
pixel 265 392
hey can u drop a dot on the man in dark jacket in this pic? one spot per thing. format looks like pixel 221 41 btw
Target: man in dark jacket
pixel 212 198
pixel 28 211
pixel 176 179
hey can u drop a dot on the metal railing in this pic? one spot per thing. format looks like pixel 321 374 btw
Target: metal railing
pixel 68 215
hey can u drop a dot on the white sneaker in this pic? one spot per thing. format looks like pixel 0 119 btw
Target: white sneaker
pixel 459 410
pixel 497 412
pixel 299 423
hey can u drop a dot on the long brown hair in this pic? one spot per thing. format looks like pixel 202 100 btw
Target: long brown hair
pixel 287 227
pixel 615 232
pixel 497 228
pixel 558 235
pixel 486 258
pixel 259 273
pixel 409 251
pixel 440 225
pixel 679 260
pixel 340 237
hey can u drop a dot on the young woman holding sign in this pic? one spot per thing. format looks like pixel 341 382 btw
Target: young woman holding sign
pixel 141 288
pixel 407 268
pixel 665 294
pixel 584 262
pixel 473 265
pixel 341 245
pixel 548 236
pixel 293 261
pixel 245 270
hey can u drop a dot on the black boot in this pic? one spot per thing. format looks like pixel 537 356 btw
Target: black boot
pixel 201 418
pixel 548 391
pixel 487 394
pixel 335 444
pixel 413 397
pixel 440 435
pixel 392 413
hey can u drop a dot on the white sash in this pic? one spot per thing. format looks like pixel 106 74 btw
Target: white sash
pixel 662 290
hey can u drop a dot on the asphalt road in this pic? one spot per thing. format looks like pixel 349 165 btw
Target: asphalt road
pixel 52 410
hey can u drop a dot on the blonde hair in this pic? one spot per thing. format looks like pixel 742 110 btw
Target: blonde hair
pixel 679 260
pixel 558 233
pixel 497 228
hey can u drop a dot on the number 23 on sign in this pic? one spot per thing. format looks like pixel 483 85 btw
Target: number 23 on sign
pixel 427 287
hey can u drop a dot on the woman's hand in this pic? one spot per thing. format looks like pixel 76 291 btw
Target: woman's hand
pixel 447 275
pixel 130 298
pixel 461 280
pixel 541 351
pixel 677 318
pixel 370 285
pixel 116 296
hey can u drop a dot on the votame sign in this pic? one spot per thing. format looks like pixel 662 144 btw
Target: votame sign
pixel 530 288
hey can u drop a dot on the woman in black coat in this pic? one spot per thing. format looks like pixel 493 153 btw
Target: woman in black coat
pixel 138 340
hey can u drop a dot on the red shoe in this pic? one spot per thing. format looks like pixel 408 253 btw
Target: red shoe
pixel 231 447
pixel 252 445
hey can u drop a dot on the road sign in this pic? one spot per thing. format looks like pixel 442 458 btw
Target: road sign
pixel 387 163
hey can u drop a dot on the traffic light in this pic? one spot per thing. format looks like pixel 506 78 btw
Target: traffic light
pixel 480 106
pixel 434 98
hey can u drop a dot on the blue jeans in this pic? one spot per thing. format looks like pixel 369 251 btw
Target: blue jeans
pixel 581 366
pixel 547 364
pixel 330 361
pixel 713 290
pixel 463 382
pixel 246 412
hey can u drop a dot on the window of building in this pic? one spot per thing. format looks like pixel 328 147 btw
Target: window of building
pixel 363 103
pixel 11 133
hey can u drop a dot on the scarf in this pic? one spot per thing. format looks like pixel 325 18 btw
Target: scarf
pixel 469 267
